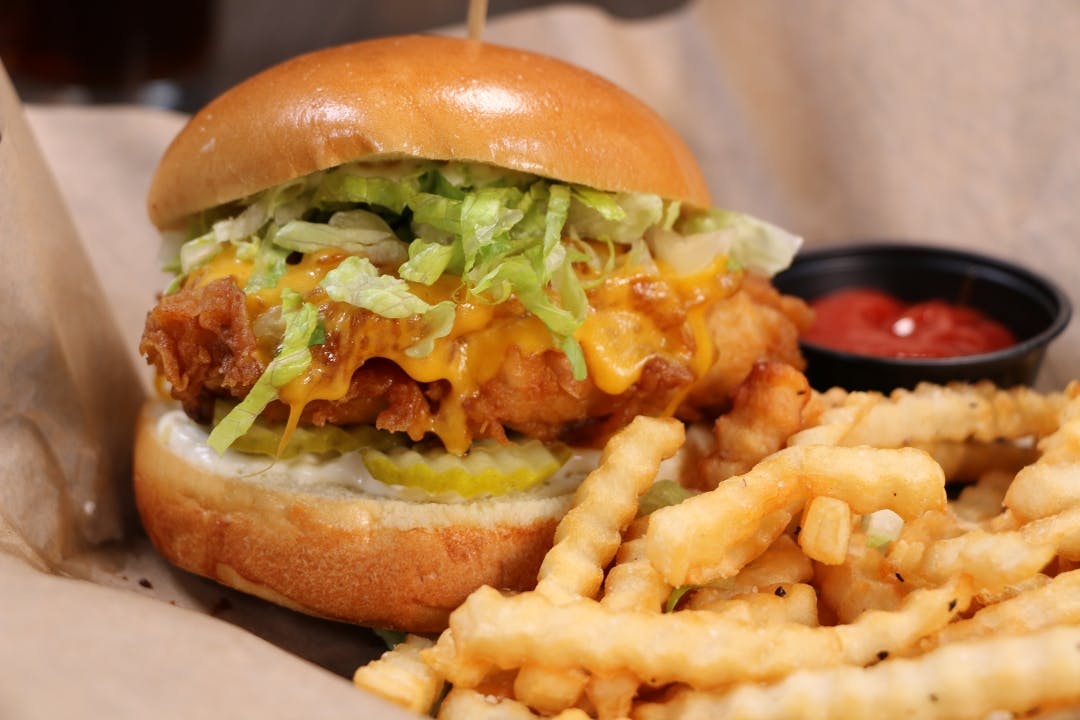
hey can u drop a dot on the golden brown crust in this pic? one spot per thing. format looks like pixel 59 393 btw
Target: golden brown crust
pixel 356 558
pixel 420 96
pixel 755 324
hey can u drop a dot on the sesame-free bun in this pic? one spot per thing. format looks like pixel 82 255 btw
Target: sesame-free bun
pixel 427 97
pixel 332 552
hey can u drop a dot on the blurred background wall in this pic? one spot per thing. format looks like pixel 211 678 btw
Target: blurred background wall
pixel 180 55
pixel 916 118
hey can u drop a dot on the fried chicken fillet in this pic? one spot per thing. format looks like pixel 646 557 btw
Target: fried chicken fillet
pixel 202 342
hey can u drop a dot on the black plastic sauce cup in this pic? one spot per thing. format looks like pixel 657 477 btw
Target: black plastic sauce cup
pixel 1032 307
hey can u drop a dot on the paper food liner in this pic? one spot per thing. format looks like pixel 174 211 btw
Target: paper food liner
pixel 70 393
pixel 95 623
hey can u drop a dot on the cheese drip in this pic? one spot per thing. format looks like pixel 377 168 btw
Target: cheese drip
pixel 635 314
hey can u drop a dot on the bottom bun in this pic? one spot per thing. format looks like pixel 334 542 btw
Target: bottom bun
pixel 326 549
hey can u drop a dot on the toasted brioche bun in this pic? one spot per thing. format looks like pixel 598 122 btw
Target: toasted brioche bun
pixel 435 98
pixel 332 552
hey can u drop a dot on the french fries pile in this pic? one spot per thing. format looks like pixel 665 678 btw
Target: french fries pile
pixel 834 577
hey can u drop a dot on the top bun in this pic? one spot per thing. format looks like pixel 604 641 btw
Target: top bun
pixel 429 97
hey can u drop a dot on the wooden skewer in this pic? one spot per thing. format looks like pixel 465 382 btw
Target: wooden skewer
pixel 477 14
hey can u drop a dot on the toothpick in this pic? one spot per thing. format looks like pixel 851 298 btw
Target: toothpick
pixel 477 14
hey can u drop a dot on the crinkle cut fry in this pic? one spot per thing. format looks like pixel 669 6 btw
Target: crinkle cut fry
pixel 401 677
pixel 992 559
pixel 863 581
pixel 746 551
pixel 446 660
pixel 548 689
pixel 1060 531
pixel 1055 603
pixel 837 411
pixel 995 560
pixel 943 553
pixel 767 605
pixel 826 530
pixel 1052 484
pixel 692 647
pixel 782 563
pixel 969 460
pixel 466 704
pixel 689 543
pixel 980 412
pixel 632 584
pixel 586 539
pixel 1045 490
pixel 964 681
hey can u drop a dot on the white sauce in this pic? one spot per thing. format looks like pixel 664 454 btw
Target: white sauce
pixel 346 471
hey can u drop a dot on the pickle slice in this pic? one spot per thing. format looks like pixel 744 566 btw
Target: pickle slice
pixel 489 468
pixel 263 439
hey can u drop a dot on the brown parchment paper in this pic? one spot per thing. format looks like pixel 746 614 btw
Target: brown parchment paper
pixel 69 390
pixel 949 122
pixel 93 624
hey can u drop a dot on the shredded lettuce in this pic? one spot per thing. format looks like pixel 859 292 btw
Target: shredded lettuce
pixel 351 184
pixel 392 638
pixel 359 232
pixel 558 208
pixel 619 217
pixel 267 267
pixel 199 251
pixel 293 357
pixel 475 175
pixel 676 595
pixel 487 216
pixel 357 281
pixel 437 322
pixel 502 233
pixel 427 262
pixel 661 494
pixel 503 242
pixel 750 243
pixel 881 527
pixel 244 225
pixel 603 204
pixel 264 438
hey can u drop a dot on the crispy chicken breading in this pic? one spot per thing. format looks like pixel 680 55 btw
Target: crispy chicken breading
pixel 202 343
pixel 768 408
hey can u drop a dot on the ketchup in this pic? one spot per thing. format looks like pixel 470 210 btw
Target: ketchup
pixel 870 322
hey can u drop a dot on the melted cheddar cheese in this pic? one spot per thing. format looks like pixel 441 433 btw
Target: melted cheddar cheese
pixel 635 314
